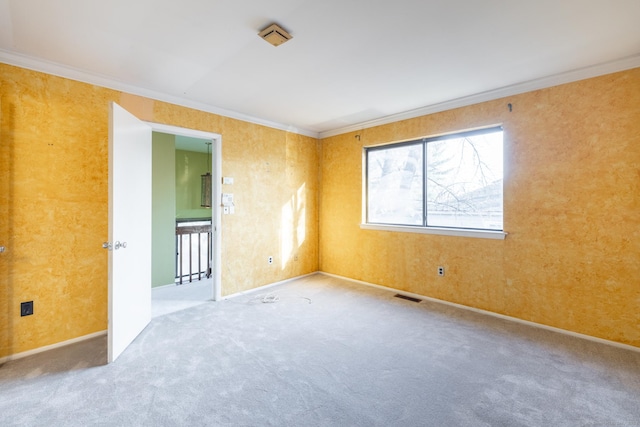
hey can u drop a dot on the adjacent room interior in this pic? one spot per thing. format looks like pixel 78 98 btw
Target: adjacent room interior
pixel 182 243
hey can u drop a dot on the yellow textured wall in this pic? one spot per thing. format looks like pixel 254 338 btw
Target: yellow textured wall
pixel 571 208
pixel 54 203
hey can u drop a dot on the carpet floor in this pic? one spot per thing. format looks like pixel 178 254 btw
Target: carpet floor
pixel 321 351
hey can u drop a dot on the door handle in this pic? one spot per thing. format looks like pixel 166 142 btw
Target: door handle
pixel 115 247
pixel 2 249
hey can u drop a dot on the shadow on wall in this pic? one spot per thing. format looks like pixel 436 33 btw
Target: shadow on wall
pixel 6 225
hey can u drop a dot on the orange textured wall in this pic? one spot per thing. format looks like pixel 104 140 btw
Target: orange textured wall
pixel 571 208
pixel 54 203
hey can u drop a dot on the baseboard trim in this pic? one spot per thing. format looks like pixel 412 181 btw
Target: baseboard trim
pixel 270 285
pixel 51 347
pixel 101 333
pixel 490 313
pixel 164 286
pixel 360 282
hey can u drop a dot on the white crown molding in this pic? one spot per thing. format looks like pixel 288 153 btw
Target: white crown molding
pixel 56 69
pixel 516 89
pixel 60 70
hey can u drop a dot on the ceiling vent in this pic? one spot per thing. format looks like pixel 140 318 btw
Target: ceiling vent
pixel 275 35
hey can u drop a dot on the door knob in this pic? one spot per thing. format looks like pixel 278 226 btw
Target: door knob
pixel 116 246
pixel 2 249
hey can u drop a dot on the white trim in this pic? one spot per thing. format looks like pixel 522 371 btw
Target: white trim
pixel 163 286
pixel 216 214
pixel 410 294
pixel 56 69
pixel 51 347
pixel 458 232
pixel 270 285
pixel 60 70
pixel 176 130
pixel 492 314
pixel 216 218
pixel 515 89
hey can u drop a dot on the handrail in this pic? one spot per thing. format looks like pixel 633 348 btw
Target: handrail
pixel 190 231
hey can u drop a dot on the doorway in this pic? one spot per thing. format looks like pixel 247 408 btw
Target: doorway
pixel 130 222
pixel 181 156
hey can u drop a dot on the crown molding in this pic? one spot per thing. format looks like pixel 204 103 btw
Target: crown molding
pixel 56 69
pixel 59 70
pixel 516 89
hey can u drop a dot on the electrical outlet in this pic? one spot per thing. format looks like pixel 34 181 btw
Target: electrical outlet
pixel 270 260
pixel 440 271
pixel 26 308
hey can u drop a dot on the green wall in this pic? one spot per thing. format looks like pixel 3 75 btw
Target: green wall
pixel 189 167
pixel 175 195
pixel 164 209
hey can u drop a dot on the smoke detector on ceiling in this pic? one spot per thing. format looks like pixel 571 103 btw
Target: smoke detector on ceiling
pixel 275 35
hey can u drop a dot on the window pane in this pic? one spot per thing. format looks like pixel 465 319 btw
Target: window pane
pixel 395 185
pixel 464 182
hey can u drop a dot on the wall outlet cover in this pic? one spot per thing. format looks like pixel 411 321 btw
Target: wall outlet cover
pixel 26 308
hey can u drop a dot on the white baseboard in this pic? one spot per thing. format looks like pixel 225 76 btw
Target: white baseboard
pixel 101 333
pixel 51 347
pixel 490 313
pixel 410 294
pixel 270 285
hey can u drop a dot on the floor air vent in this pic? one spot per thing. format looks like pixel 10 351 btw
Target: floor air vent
pixel 407 298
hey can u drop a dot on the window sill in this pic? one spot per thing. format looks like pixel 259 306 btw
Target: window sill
pixel 459 232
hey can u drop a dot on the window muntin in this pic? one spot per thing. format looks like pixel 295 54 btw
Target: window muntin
pixel 450 181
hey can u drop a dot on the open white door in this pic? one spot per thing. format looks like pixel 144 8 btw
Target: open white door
pixel 129 229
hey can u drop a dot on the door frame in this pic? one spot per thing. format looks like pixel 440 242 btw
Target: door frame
pixel 216 188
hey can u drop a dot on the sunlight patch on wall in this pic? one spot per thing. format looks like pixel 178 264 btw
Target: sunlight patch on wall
pixel 302 212
pixel 292 225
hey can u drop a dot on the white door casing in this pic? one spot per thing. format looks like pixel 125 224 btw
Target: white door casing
pixel 129 229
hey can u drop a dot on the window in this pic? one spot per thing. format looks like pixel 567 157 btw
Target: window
pixel 449 181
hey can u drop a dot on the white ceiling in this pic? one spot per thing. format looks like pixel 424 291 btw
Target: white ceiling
pixel 350 64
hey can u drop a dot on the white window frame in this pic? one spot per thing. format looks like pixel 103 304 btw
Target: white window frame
pixel 442 231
